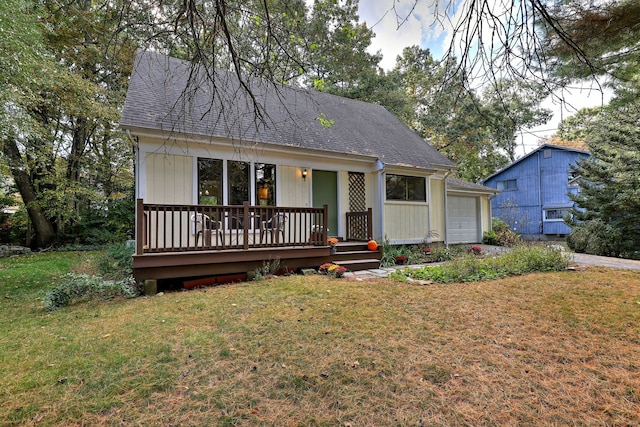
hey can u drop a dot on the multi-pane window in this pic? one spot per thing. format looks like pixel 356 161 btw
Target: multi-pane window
pixel 209 182
pixel 402 187
pixel 215 175
pixel 556 214
pixel 506 185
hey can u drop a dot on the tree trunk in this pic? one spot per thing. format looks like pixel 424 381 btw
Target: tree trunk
pixel 45 234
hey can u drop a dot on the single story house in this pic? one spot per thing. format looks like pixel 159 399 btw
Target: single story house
pixel 224 176
pixel 534 197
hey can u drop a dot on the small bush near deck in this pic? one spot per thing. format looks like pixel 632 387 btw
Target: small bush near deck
pixel 469 268
pixel 116 262
pixel 79 287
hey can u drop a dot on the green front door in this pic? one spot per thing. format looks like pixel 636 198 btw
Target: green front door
pixel 325 192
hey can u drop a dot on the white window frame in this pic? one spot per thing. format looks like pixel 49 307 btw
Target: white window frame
pixel 567 211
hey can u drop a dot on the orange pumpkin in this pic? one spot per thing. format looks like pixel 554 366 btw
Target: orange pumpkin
pixel 372 245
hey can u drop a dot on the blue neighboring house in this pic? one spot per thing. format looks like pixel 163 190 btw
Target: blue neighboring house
pixel 534 190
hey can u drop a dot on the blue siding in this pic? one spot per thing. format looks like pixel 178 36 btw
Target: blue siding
pixel 542 183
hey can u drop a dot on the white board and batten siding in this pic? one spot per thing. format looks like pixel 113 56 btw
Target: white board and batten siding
pixel 463 220
pixel 168 179
pixel 406 223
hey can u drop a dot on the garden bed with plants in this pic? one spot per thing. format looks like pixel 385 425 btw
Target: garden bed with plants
pixel 472 266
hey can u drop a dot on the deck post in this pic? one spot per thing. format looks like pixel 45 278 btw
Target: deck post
pixel 139 226
pixel 245 222
pixel 369 224
pixel 325 224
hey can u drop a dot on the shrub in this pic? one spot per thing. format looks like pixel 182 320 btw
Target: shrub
pixel 500 234
pixel 116 261
pixel 269 268
pixel 508 238
pixel 490 238
pixel 78 287
pixel 594 237
pixel 498 225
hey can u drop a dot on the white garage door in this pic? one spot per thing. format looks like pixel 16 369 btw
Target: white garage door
pixel 462 226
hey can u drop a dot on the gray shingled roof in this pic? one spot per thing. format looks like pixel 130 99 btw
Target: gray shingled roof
pixel 459 184
pixel 162 97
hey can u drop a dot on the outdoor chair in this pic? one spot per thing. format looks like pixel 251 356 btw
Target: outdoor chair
pixel 274 227
pixel 202 225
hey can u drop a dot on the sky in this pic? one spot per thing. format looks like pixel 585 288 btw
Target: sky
pixel 401 23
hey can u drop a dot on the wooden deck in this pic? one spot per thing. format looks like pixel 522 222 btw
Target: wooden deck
pixel 183 243
pixel 186 266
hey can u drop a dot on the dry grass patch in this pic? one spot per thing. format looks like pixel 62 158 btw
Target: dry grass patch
pixel 544 349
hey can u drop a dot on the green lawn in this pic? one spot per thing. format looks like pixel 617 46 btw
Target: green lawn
pixel 542 349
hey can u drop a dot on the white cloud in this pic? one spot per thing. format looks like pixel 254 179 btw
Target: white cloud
pixel 395 29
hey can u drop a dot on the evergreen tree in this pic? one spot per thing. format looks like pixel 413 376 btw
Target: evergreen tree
pixel 607 218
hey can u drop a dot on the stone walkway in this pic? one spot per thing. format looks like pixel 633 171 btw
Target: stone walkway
pixel 379 273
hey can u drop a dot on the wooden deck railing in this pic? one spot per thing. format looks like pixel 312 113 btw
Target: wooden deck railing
pixel 359 225
pixel 177 228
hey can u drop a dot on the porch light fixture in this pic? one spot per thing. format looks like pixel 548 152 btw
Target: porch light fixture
pixel 304 174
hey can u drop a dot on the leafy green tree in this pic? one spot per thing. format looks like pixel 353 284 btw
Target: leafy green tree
pixel 513 105
pixel 337 57
pixel 476 132
pixel 25 68
pixel 607 218
pixel 66 87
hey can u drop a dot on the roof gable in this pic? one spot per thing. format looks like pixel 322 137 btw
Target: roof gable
pixel 528 155
pixel 171 96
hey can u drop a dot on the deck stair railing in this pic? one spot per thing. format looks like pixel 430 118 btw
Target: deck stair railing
pixel 359 225
pixel 177 228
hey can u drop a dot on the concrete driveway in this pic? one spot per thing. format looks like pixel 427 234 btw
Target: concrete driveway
pixel 603 261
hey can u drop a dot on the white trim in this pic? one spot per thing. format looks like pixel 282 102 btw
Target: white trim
pixel 252 183
pixel 196 186
pixel 225 182
pixel 141 185
pixel 429 212
pixel 380 173
pixel 278 183
pixel 342 226
pixel 168 139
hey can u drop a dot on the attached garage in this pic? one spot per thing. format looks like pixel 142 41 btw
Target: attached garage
pixel 466 204
pixel 463 219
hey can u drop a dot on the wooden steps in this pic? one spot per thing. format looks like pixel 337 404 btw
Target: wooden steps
pixel 355 256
